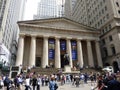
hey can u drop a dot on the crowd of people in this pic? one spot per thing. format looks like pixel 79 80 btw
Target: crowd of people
pixel 33 81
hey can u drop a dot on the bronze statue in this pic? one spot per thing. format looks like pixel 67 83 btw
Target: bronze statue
pixel 66 59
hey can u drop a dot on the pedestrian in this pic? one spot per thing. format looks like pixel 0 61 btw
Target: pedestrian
pixel 34 82
pixel 100 84
pixel 38 82
pixel 113 84
pixel 43 80
pixel 52 84
pixel 27 83
pixel 86 77
pixel 7 82
pixel 1 82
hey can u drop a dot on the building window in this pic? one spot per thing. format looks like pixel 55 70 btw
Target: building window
pixel 110 38
pixel 119 11
pixel 99 13
pixel 113 50
pixel 102 11
pixel 106 29
pixel 117 4
pixel 101 3
pixel 104 1
pixel 98 24
pixel 103 41
pixel 105 8
pixel 110 26
pixel 105 52
pixel 107 16
pixel 101 21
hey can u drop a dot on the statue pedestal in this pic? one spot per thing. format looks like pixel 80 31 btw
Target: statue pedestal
pixel 67 68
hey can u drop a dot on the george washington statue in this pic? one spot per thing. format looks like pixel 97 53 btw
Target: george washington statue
pixel 66 59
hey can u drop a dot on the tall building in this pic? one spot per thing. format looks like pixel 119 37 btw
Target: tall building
pixel 11 13
pixel 46 9
pixel 54 8
pixel 105 16
pixel 4 5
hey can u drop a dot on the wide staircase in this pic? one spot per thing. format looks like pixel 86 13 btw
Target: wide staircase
pixel 48 71
pixel 89 70
pixel 44 71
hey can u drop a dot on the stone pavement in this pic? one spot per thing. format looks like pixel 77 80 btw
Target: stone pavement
pixel 70 87
pixel 67 86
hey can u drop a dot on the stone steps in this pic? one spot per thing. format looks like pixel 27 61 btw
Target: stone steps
pixel 89 70
pixel 44 71
pixel 48 71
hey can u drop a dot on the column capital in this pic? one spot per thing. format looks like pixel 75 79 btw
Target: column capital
pixel 79 39
pixel 33 35
pixel 22 35
pixel 57 37
pixel 88 40
pixel 68 38
pixel 45 36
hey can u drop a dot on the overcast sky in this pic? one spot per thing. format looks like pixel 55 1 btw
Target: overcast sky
pixel 31 8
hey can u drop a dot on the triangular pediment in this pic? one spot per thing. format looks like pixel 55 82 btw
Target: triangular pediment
pixel 59 23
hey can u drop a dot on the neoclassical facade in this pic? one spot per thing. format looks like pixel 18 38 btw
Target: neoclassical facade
pixel 45 41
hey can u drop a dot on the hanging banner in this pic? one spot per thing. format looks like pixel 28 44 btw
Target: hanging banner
pixel 51 47
pixel 74 50
pixel 62 45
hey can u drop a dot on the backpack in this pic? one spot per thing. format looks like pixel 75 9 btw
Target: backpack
pixel 56 86
pixel 6 81
pixel 16 81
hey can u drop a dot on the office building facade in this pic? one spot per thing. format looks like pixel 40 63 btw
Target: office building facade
pixel 11 13
pixel 46 9
pixel 103 15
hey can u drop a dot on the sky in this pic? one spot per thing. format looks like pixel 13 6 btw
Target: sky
pixel 31 8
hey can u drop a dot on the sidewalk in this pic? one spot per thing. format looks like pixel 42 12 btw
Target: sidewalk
pixel 68 86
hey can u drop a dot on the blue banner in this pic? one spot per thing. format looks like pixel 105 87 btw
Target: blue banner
pixel 74 50
pixel 62 45
pixel 51 49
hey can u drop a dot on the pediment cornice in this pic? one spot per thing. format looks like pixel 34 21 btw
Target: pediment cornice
pixel 22 25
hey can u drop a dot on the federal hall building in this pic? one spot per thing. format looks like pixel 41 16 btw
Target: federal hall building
pixel 45 42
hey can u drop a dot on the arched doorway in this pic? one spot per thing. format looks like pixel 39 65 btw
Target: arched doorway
pixel 115 66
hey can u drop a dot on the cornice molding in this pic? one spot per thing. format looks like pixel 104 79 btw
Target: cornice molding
pixel 59 28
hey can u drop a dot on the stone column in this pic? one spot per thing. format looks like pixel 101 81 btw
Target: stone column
pixel 57 53
pixel 32 56
pixel 80 53
pixel 90 54
pixel 99 59
pixel 69 51
pixel 45 52
pixel 20 51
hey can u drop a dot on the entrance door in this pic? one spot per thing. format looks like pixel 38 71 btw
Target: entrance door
pixel 38 62
pixel 115 66
pixel 62 61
